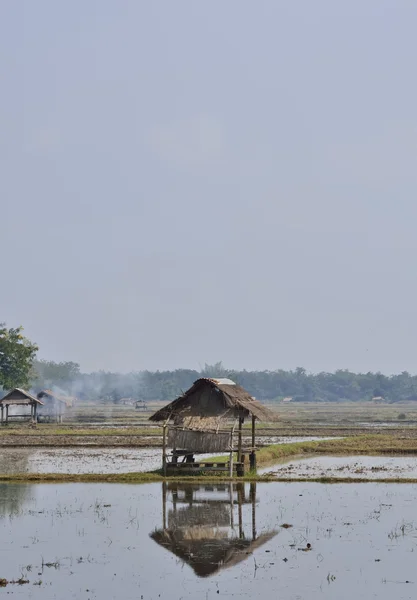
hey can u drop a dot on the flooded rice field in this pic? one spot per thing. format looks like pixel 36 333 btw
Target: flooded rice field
pixel 181 541
pixel 79 460
pixel 362 467
pixel 89 460
pixel 267 440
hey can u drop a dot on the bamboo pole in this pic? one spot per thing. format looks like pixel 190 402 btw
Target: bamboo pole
pixel 164 504
pixel 239 440
pixel 232 519
pixel 240 494
pixel 253 452
pixel 231 450
pixel 231 464
pixel 164 449
pixel 253 498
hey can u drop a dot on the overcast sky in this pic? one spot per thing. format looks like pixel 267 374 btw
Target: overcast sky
pixel 187 182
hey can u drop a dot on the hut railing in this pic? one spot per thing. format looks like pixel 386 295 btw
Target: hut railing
pixel 199 441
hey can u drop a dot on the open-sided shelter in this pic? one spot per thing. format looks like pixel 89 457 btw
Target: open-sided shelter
pixel 55 405
pixel 208 418
pixel 19 398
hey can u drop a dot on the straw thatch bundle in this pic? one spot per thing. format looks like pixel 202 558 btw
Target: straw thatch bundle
pixel 201 515
pixel 199 441
pixel 214 398
pixel 208 556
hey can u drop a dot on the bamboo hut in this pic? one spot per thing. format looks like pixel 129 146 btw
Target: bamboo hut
pixel 54 405
pixel 206 533
pixel 208 418
pixel 17 399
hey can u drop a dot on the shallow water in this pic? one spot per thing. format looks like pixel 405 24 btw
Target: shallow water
pixel 153 541
pixel 90 460
pixel 79 460
pixel 266 440
pixel 362 467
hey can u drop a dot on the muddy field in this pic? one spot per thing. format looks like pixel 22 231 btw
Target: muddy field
pixel 125 427
pixel 342 467
pixel 91 460
pixel 273 540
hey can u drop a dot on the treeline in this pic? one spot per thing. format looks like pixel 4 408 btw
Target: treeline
pixel 19 368
pixel 342 385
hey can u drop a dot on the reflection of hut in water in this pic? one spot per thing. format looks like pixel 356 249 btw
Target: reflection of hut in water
pixel 55 405
pixel 13 496
pixel 22 404
pixel 208 418
pixel 204 531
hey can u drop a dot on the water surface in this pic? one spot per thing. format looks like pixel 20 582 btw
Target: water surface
pixel 94 460
pixel 170 541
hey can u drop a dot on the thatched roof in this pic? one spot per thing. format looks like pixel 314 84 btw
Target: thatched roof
pixel 214 398
pixel 67 400
pixel 19 396
pixel 208 554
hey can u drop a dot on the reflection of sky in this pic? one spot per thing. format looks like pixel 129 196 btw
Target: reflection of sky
pixel 107 549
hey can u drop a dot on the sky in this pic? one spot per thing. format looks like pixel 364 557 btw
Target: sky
pixel 188 182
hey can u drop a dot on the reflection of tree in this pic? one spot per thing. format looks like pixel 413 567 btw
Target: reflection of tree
pixel 13 496
pixel 202 528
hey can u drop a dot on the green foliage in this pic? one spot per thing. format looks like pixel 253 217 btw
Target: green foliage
pixel 216 370
pixel 17 354
pixel 50 374
pixel 301 386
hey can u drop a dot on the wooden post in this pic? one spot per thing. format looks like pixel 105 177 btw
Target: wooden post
pixel 231 464
pixel 231 454
pixel 232 516
pixel 164 504
pixel 2 414
pixel 35 411
pixel 239 440
pixel 253 498
pixel 240 496
pixel 253 452
pixel 164 449
pixel 7 414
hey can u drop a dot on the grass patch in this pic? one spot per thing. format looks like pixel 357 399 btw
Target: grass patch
pixel 156 477
pixel 48 430
pixel 371 444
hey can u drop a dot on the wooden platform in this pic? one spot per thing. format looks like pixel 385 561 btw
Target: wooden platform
pixel 206 467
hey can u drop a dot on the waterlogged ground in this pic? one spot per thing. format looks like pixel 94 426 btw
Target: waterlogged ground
pixel 79 460
pixel 90 460
pixel 275 540
pixel 362 467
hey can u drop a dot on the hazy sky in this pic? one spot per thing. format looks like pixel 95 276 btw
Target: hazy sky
pixel 186 182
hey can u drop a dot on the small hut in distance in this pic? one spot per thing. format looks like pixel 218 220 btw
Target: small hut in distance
pixel 208 418
pixel 54 405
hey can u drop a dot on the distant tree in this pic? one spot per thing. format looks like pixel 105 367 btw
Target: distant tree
pixel 48 373
pixel 17 354
pixel 216 370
